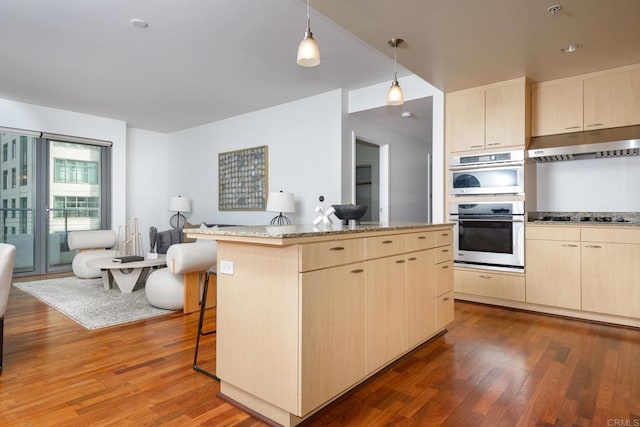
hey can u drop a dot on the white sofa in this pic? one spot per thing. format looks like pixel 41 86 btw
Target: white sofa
pixel 92 244
pixel 177 287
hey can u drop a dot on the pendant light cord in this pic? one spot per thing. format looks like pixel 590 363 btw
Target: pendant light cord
pixel 308 19
pixel 395 62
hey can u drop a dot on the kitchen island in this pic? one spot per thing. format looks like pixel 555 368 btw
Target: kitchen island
pixel 303 314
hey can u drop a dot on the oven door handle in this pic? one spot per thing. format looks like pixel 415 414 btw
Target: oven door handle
pixel 472 167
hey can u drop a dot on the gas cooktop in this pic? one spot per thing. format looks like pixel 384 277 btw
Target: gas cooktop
pixel 550 218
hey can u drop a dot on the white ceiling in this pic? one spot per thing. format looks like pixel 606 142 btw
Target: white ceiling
pixel 204 60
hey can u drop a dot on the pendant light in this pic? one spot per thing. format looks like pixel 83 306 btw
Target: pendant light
pixel 395 95
pixel 308 51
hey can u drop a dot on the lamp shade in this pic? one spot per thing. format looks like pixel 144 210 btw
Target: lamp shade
pixel 179 204
pixel 308 51
pixel 395 95
pixel 281 202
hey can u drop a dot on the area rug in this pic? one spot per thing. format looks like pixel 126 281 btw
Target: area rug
pixel 89 304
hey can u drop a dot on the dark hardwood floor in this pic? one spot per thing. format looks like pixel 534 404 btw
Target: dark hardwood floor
pixel 495 367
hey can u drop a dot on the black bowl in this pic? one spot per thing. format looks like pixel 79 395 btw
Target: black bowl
pixel 349 212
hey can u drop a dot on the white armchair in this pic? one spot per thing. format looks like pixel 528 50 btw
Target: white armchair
pixel 92 244
pixel 7 259
pixel 177 287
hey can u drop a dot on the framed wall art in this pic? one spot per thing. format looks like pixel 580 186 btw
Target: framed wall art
pixel 242 179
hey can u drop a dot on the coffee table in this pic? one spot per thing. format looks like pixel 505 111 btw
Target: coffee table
pixel 125 275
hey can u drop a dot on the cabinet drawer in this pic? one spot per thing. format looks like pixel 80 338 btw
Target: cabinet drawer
pixel 382 246
pixel 611 235
pixel 444 277
pixel 314 256
pixel 552 232
pixel 490 284
pixel 444 237
pixel 444 253
pixel 444 310
pixel 420 241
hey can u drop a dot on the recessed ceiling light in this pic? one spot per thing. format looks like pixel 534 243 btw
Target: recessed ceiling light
pixel 139 23
pixel 407 114
pixel 553 10
pixel 570 48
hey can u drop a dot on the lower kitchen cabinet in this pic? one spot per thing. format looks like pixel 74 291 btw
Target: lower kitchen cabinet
pixel 553 273
pixel 611 278
pixel 421 287
pixel 489 283
pixel 332 332
pixel 444 310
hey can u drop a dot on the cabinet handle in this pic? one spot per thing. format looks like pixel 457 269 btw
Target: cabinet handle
pixel 400 261
pixel 444 267
pixel 476 146
pixel 357 270
pixel 413 258
pixel 482 276
pixel 445 299
pixel 337 248
pixel 422 237
pixel 386 242
pixel 592 246
pixel 572 127
pixel 567 245
pixel 445 234
pixel 445 250
pixel 493 143
pixel 595 124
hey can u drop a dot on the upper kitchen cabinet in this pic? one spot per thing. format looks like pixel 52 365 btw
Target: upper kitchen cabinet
pixel 593 101
pixel 556 107
pixel 612 100
pixel 488 117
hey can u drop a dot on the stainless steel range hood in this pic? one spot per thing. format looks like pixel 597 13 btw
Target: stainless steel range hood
pixel 612 142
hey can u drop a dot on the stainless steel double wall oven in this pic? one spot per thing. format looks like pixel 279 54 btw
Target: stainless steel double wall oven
pixel 488 230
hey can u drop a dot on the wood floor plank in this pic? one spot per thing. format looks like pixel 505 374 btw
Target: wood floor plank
pixel 494 367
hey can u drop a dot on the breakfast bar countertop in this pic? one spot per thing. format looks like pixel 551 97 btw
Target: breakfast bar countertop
pixel 295 233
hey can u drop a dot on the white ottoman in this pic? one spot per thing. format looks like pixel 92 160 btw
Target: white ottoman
pixel 165 289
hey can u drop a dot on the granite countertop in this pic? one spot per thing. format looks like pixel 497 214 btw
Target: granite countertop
pixel 584 219
pixel 305 230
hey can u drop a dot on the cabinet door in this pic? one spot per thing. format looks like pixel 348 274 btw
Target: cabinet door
pixel 444 310
pixel 385 310
pixel 553 273
pixel 444 277
pixel 610 279
pixel 464 114
pixel 332 332
pixel 612 100
pixel 505 116
pixel 421 311
pixel 557 108
pixel 490 284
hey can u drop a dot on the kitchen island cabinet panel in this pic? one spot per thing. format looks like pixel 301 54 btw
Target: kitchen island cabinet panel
pixel 421 288
pixel 333 331
pixel 444 309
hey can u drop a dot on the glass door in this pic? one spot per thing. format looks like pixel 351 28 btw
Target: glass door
pixel 49 188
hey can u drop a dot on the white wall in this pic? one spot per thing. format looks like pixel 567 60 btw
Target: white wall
pixel 596 185
pixel 148 180
pixel 304 140
pixel 51 120
pixel 413 88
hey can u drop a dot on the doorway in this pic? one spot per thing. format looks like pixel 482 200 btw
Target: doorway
pixel 370 178
pixel 50 186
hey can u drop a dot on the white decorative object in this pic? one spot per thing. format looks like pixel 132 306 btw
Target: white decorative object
pixel 129 239
pixel 323 218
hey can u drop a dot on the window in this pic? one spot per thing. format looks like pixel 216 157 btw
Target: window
pixel 13 209
pixel 75 171
pixel 4 210
pixel 24 165
pixel 76 207
pixel 13 177
pixel 5 151
pixel 13 230
pixel 13 149
pixel 23 215
pixel 5 179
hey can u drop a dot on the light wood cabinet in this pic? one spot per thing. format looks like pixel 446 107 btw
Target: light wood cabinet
pixel 488 117
pixel 587 102
pixel 444 310
pixel 422 280
pixel 556 108
pixel 333 332
pixel 553 273
pixel 487 283
pixel 612 100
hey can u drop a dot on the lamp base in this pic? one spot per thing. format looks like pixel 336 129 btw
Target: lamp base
pixel 280 220
pixel 177 220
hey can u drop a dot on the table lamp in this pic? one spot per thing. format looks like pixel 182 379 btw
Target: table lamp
pixel 281 202
pixel 179 204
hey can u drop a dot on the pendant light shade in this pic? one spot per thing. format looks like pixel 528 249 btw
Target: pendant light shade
pixel 308 51
pixel 395 96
